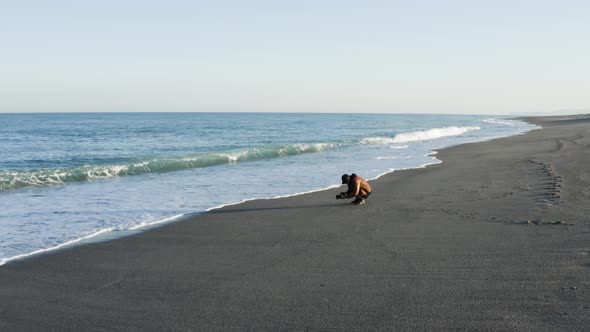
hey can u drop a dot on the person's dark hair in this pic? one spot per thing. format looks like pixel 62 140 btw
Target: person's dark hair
pixel 345 178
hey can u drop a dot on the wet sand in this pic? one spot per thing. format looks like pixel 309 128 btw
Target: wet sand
pixel 497 237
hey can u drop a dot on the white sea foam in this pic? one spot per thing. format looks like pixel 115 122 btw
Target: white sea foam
pixel 431 154
pixel 418 136
pixel 10 180
pixel 430 134
pixel 377 140
pixel 87 237
pixel 59 246
pixel 274 197
pixel 152 223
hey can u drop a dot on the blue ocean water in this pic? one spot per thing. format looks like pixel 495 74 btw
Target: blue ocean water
pixel 64 177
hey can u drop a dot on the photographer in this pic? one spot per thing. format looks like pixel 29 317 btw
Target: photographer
pixel 357 187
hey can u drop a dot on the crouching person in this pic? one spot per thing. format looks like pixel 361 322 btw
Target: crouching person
pixel 357 187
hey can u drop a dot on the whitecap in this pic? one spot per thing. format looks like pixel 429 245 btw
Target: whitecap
pixel 430 134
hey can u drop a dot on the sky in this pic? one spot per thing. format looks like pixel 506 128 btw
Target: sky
pixel 492 57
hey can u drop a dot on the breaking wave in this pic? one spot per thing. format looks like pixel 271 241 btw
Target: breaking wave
pixel 377 140
pixel 13 179
pixel 10 180
pixel 430 134
pixel 418 136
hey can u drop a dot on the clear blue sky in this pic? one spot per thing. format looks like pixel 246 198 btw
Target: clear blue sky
pixel 307 56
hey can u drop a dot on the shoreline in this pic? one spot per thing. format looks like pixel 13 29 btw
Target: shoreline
pixel 66 212
pixel 434 248
pixel 112 233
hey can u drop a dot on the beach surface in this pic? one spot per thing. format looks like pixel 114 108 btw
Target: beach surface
pixel 497 237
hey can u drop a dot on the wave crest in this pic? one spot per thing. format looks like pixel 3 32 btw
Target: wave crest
pixel 377 140
pixel 430 134
pixel 10 180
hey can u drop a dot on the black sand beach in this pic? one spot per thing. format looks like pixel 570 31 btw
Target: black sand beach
pixel 497 237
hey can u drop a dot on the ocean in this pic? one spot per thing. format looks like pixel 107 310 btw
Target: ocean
pixel 68 178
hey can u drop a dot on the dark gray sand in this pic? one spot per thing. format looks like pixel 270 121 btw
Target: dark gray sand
pixel 497 237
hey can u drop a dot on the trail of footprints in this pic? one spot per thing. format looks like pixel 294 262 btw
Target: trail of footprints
pixel 547 188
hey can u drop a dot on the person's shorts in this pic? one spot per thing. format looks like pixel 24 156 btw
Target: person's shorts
pixel 367 195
